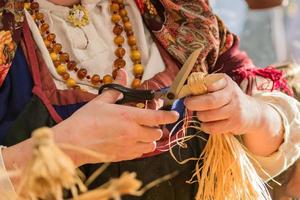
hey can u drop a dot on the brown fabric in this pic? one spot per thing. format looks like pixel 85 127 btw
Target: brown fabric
pixel 290 184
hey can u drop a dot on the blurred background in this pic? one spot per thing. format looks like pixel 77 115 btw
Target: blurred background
pixel 270 33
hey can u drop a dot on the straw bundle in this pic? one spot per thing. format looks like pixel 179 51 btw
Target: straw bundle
pixel 227 172
pixel 50 171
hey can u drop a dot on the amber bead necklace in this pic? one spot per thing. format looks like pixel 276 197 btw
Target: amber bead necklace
pixel 63 63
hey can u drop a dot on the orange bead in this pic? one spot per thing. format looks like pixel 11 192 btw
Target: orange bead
pixel 66 76
pixel 132 40
pixel 51 37
pixel 119 40
pixel 39 16
pixel 81 74
pixel 120 52
pixel 71 65
pixel 96 80
pixel 56 63
pixel 71 83
pixel 44 28
pixel 119 63
pixel 115 73
pixel 118 29
pixel 34 6
pixel 135 55
pixel 61 70
pixel 136 83
pixel 107 79
pixel 27 5
pixel 47 43
pixel 114 7
pixel 116 18
pixel 64 57
pixel 54 56
pixel 138 69
pixel 128 26
pixel 123 13
pixel 125 19
pixel 57 48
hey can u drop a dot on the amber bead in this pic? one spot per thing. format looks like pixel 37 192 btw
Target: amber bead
pixel 61 69
pixel 136 83
pixel 54 56
pixel 118 29
pixel 71 83
pixel 71 65
pixel 66 76
pixel 129 33
pixel 123 13
pixel 128 26
pixel 120 1
pixel 125 19
pixel 57 48
pixel 44 28
pixel 119 40
pixel 81 74
pixel 27 5
pixel 120 52
pixel 96 80
pixel 114 7
pixel 119 63
pixel 64 57
pixel 51 37
pixel 107 79
pixel 115 73
pixel 34 6
pixel 56 63
pixel 116 18
pixel 135 55
pixel 19 5
pixel 132 40
pixel 138 69
pixel 47 43
pixel 39 16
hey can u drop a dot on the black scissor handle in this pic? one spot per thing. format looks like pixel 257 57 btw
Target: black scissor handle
pixel 129 95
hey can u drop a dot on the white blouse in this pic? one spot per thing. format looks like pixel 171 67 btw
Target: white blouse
pixel 92 46
pixel 97 57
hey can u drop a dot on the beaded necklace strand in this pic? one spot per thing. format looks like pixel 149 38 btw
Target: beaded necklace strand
pixel 63 63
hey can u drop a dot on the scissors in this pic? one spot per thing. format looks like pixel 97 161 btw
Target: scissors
pixel 177 90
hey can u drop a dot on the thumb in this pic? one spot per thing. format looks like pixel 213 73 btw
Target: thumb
pixel 111 96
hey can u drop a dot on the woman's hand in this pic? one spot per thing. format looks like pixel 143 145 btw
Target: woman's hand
pixel 116 131
pixel 227 109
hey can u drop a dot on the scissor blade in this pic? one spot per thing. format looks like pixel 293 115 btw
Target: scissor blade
pixel 182 75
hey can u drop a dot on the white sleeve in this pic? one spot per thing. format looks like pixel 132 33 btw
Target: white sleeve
pixel 6 187
pixel 289 151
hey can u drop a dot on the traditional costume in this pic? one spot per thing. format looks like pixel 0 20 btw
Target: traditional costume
pixel 51 66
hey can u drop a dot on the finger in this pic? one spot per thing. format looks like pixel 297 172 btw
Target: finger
pixel 146 134
pixel 154 118
pixel 111 96
pixel 218 127
pixel 223 113
pixel 215 82
pixel 146 147
pixel 209 101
